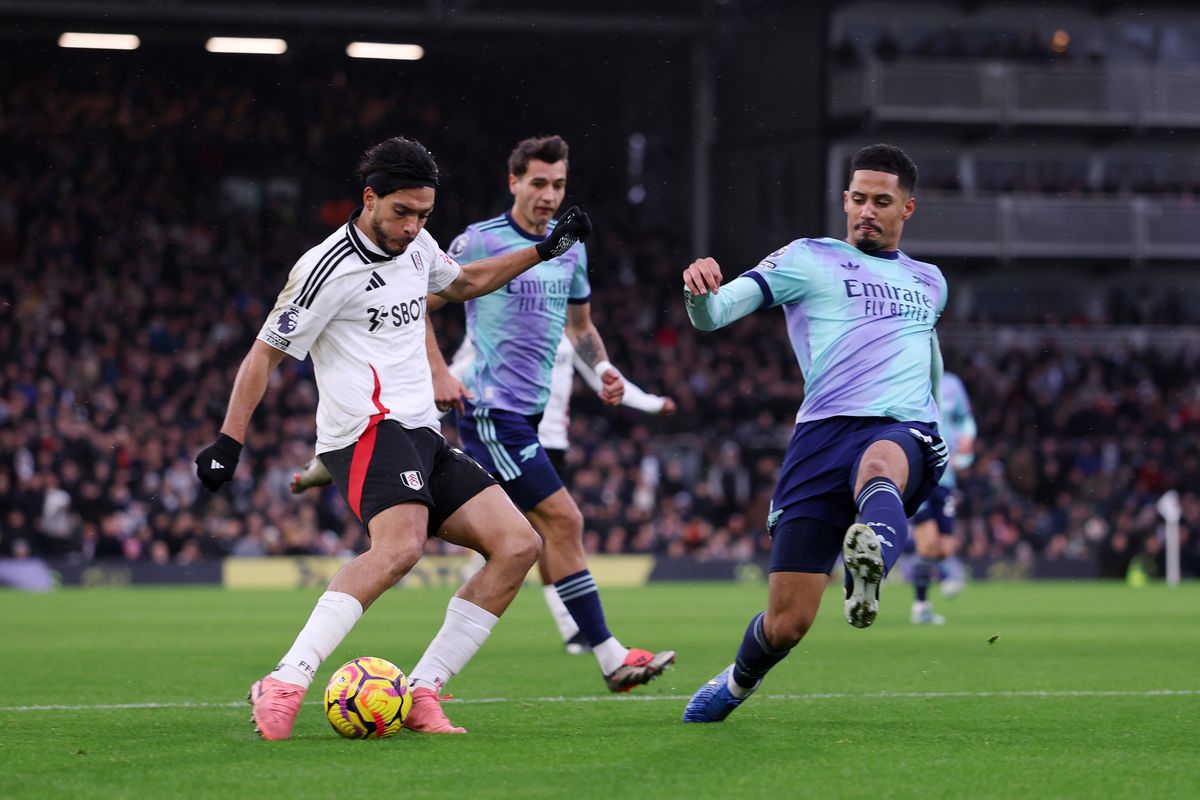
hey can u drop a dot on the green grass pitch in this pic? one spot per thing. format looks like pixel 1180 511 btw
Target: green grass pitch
pixel 1091 690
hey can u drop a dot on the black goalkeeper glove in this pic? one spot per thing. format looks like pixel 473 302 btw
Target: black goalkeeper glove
pixel 216 463
pixel 573 226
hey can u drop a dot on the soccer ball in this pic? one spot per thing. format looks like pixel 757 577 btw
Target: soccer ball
pixel 367 698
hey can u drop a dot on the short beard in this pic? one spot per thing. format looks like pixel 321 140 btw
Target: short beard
pixel 381 239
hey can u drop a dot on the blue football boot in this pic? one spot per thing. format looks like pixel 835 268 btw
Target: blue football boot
pixel 713 701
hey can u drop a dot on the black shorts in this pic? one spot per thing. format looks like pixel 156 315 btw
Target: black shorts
pixel 391 464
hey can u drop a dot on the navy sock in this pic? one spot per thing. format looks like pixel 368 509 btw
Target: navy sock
pixel 578 593
pixel 880 507
pixel 755 657
pixel 923 572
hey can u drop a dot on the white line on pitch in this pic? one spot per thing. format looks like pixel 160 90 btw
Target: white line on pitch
pixel 1066 693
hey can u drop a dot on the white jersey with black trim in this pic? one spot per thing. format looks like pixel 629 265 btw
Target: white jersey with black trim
pixel 360 314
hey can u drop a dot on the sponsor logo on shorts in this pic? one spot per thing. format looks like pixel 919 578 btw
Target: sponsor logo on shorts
pixel 773 518
pixel 924 437
pixel 412 480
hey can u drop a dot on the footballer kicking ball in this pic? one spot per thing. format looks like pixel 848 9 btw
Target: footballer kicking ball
pixel 367 698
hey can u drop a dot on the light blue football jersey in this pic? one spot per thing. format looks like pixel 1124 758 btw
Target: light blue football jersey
pixel 516 329
pixel 861 325
pixel 957 422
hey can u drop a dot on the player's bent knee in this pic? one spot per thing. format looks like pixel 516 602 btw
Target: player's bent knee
pixel 520 547
pixel 560 520
pixel 396 553
pixel 872 468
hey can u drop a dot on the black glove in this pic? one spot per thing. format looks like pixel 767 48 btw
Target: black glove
pixel 573 226
pixel 216 463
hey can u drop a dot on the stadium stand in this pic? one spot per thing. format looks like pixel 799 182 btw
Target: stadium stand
pixel 121 323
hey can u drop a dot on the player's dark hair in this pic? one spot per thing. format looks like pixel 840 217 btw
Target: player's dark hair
pixel 550 149
pixel 887 158
pixel 397 163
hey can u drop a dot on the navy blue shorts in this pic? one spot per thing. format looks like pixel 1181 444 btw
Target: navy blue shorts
pixel 506 445
pixel 940 507
pixel 813 503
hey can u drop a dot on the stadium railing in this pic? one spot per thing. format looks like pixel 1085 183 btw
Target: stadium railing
pixel 1006 93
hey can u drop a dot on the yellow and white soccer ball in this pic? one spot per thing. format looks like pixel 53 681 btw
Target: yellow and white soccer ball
pixel 367 698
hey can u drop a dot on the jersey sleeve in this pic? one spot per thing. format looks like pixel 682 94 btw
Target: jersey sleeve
pixel 444 272
pixel 581 288
pixel 301 312
pixel 467 247
pixel 783 276
pixel 736 299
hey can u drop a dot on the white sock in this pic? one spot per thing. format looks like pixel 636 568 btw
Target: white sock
pixel 558 610
pixel 611 654
pixel 329 623
pixel 466 628
pixel 737 690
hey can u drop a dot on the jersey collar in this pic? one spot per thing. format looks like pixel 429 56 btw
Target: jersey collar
pixel 366 249
pixel 533 237
pixel 890 255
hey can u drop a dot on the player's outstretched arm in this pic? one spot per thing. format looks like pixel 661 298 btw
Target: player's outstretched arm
pixel 711 305
pixel 635 397
pixel 589 348
pixel 489 274
pixel 216 463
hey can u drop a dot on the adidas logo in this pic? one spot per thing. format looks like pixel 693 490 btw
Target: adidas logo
pixel 375 282
pixel 216 465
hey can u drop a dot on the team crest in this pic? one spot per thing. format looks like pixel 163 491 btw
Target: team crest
pixel 420 266
pixel 458 246
pixel 412 480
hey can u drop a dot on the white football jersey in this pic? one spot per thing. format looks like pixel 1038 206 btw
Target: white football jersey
pixel 360 314
pixel 552 432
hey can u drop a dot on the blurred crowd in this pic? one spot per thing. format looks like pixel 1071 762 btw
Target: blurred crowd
pixel 132 283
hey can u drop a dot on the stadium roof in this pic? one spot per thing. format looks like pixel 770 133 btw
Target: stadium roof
pixel 652 17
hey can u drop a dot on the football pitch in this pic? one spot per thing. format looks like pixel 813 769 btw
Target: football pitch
pixel 1090 690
